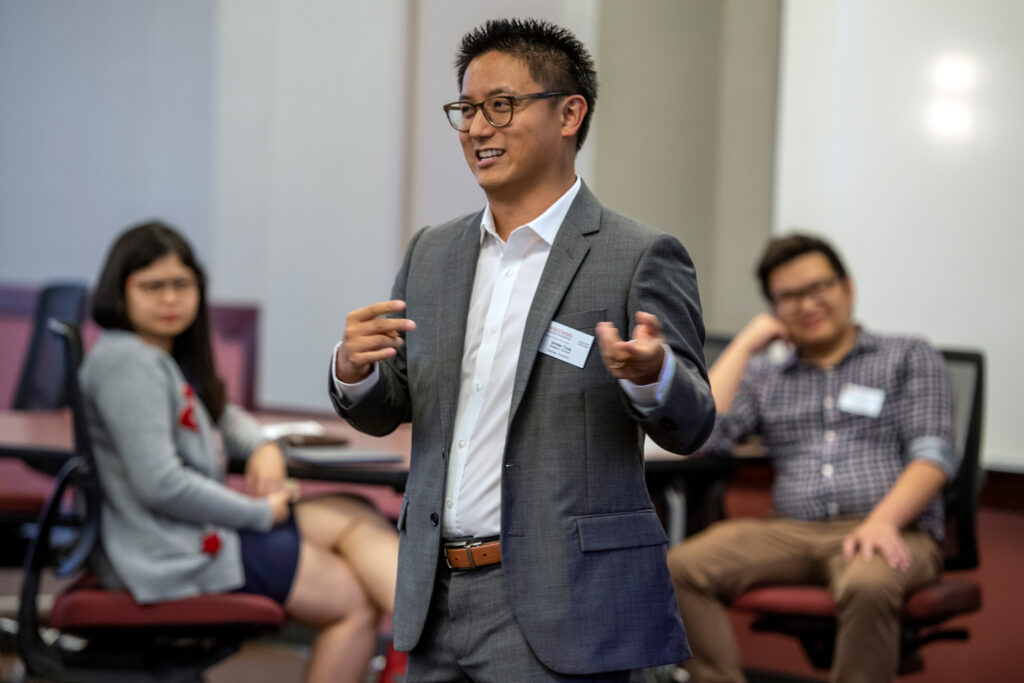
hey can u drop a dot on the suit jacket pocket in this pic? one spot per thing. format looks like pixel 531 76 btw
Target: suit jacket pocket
pixel 620 530
pixel 582 320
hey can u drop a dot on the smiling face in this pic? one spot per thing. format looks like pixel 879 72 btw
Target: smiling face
pixel 162 300
pixel 535 152
pixel 812 301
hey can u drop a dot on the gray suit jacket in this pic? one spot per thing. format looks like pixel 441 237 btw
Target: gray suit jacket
pixel 582 549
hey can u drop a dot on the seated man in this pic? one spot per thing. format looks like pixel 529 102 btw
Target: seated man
pixel 859 429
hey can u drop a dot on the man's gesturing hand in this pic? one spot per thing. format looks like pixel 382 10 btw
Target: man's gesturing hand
pixel 639 360
pixel 370 337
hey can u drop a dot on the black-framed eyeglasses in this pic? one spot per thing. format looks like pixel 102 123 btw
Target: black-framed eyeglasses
pixel 497 110
pixel 788 302
pixel 179 285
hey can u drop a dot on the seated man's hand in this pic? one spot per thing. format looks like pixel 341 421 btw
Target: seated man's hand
pixel 881 537
pixel 638 360
pixel 762 330
pixel 369 337
pixel 265 471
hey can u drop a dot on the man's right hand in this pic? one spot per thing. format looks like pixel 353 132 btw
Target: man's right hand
pixel 370 337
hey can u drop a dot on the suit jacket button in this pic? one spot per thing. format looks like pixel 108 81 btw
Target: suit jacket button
pixel 434 519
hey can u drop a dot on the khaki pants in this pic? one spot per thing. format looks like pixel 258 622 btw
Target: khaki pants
pixel 733 555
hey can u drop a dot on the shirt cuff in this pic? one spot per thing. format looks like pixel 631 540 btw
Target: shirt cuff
pixel 648 397
pixel 352 393
pixel 937 451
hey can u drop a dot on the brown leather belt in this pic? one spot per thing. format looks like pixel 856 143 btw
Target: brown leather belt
pixel 472 554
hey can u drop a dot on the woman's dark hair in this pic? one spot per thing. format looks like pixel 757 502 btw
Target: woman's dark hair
pixel 784 249
pixel 557 60
pixel 136 248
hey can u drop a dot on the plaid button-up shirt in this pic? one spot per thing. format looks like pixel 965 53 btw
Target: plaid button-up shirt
pixel 835 456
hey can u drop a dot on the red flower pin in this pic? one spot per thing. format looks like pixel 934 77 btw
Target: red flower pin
pixel 211 543
pixel 188 413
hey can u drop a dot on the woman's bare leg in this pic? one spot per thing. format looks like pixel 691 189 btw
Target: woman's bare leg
pixel 358 533
pixel 327 595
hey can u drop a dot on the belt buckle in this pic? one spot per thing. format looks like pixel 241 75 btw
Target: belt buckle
pixel 460 545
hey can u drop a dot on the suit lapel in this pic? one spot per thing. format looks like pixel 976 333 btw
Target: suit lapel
pixel 567 253
pixel 455 292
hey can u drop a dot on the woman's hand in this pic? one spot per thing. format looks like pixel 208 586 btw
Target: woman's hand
pixel 265 470
pixel 280 505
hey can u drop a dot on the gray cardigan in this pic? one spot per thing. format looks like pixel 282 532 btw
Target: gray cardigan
pixel 162 475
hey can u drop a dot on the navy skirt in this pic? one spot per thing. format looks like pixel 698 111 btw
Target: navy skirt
pixel 270 559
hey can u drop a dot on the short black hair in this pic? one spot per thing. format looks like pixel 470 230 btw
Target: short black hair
pixel 136 248
pixel 782 250
pixel 557 60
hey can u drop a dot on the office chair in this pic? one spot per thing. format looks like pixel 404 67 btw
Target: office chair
pixel 117 640
pixel 40 387
pixel 41 383
pixel 808 612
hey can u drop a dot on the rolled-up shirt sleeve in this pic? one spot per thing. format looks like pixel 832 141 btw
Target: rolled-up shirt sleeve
pixel 927 420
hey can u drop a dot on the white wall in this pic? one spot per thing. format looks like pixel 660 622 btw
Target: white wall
pixel 105 119
pixel 310 153
pixel 929 221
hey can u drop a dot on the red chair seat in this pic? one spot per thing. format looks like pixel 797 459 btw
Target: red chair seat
pixel 945 599
pixel 808 601
pixel 932 603
pixel 87 606
pixel 23 491
pixel 21 503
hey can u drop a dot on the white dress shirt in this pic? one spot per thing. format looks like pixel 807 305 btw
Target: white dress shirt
pixel 507 275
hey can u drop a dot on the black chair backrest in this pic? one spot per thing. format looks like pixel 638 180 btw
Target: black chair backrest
pixel 86 481
pixel 713 345
pixel 41 384
pixel 78 472
pixel 967 370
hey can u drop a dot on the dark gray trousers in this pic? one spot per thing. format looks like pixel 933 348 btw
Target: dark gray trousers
pixel 471 634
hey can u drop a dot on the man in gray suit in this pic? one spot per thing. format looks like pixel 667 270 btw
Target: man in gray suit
pixel 530 550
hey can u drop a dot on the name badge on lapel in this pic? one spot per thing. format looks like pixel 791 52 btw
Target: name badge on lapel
pixel 861 400
pixel 566 344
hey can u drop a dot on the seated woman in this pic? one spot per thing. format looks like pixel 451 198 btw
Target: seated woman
pixel 170 527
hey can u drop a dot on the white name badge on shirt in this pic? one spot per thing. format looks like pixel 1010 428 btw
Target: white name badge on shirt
pixel 861 400
pixel 565 343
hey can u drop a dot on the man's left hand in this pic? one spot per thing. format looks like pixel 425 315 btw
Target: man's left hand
pixel 881 537
pixel 638 360
pixel 265 471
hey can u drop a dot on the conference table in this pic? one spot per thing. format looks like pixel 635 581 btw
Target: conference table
pixel 43 439
pixel 686 489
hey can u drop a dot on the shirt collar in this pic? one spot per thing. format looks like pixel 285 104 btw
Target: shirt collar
pixel 545 225
pixel 865 342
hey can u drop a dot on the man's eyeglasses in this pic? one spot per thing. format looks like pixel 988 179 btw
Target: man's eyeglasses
pixel 180 285
pixel 497 110
pixel 789 302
